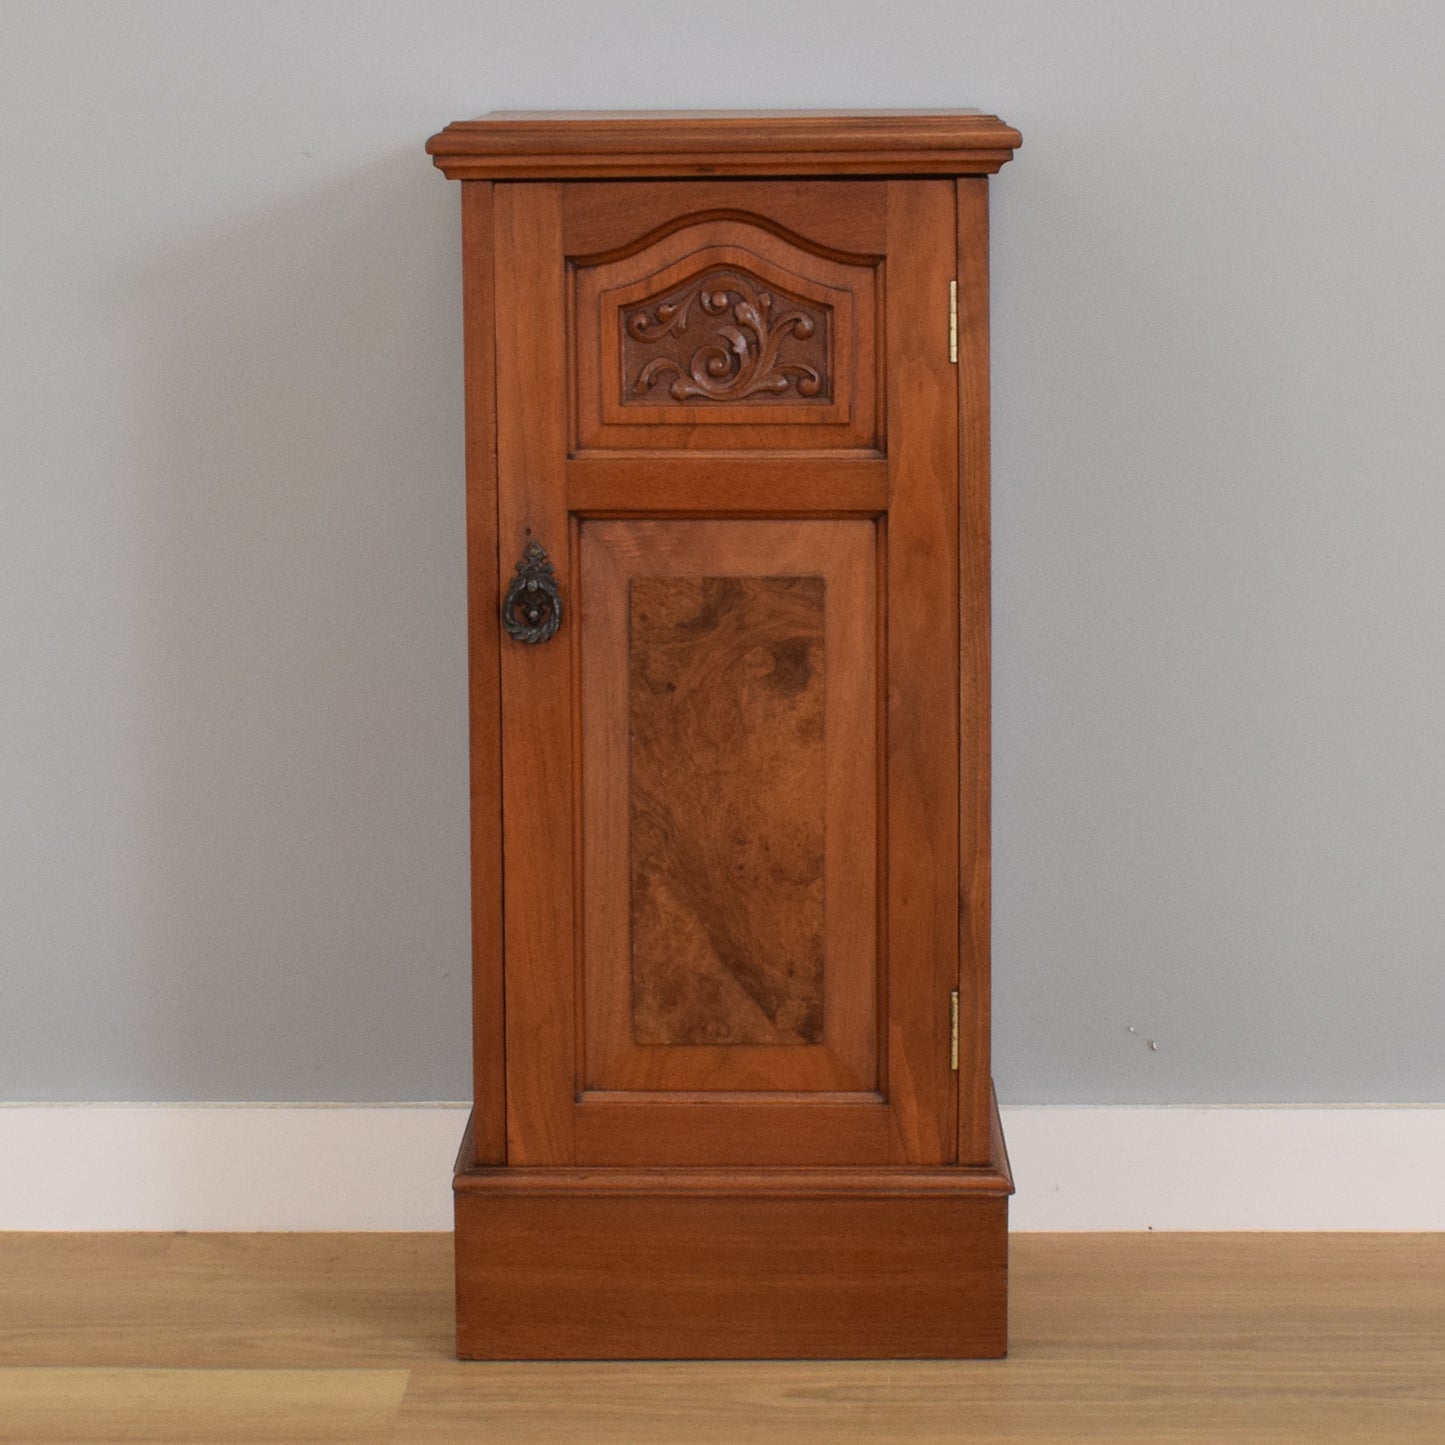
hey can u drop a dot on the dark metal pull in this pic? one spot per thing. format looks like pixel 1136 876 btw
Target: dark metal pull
pixel 532 608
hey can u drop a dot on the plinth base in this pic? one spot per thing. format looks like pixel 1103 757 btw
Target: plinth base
pixel 734 1263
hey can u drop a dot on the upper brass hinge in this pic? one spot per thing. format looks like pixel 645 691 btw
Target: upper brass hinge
pixel 953 1031
pixel 953 331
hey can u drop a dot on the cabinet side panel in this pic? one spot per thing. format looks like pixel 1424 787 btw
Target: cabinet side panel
pixel 975 1086
pixel 922 654
pixel 489 1121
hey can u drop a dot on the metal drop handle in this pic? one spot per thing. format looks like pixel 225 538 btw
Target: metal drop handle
pixel 532 608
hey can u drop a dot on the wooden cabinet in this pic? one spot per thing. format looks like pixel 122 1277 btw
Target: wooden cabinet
pixel 727 458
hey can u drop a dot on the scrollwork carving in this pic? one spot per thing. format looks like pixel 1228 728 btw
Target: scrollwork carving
pixel 749 342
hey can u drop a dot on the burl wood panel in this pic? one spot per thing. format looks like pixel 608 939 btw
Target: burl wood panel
pixel 748 762
pixel 727 809
pixel 726 337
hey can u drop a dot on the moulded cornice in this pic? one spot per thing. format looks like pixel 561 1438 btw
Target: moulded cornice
pixel 528 145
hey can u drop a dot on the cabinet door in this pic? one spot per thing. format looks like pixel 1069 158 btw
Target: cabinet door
pixel 726 412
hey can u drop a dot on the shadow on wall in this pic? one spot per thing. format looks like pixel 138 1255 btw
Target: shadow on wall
pixel 298 376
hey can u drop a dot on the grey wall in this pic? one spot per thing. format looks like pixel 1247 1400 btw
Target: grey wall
pixel 232 731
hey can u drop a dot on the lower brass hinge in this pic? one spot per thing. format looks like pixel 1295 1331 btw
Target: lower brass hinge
pixel 953 322
pixel 953 1031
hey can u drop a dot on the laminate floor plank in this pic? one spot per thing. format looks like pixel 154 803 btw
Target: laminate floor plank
pixel 199 1407
pixel 1265 1339
pixel 225 1300
pixel 896 1403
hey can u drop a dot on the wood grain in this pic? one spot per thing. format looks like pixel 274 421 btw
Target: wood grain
pixel 728 1183
pixel 751 143
pixel 848 223
pixel 708 1127
pixel 922 672
pixel 706 484
pixel 538 703
pixel 743 793
pixel 1122 1339
pixel 723 333
pixel 489 1076
pixel 975 1065
pixel 225 1301
pixel 733 1263
pixel 727 809
pixel 590 1276
pixel 891 1036
pixel 690 786
pixel 726 336
pixel 199 1407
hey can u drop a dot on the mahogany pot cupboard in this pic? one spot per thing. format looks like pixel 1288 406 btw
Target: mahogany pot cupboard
pixel 727 527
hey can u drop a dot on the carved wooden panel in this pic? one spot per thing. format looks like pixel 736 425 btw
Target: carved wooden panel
pixel 726 337
pixel 729 759
pixel 694 339
pixel 727 816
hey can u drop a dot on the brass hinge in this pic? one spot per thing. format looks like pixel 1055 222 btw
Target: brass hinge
pixel 953 1031
pixel 953 333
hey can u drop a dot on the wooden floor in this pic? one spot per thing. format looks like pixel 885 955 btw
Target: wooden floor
pixel 1117 1338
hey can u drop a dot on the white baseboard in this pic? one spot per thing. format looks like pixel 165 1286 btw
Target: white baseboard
pixel 387 1167
pixel 1354 1168
pixel 228 1166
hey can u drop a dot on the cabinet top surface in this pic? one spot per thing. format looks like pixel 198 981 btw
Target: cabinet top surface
pixel 524 145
